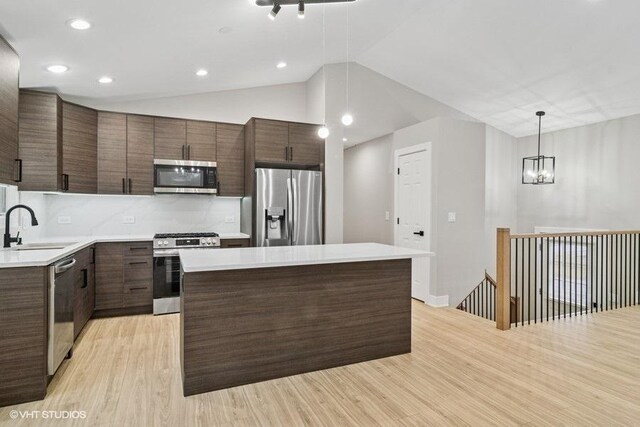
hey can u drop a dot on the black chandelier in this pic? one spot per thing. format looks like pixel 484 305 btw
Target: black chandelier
pixel 539 170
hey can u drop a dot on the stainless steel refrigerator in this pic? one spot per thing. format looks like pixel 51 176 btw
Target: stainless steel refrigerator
pixel 288 207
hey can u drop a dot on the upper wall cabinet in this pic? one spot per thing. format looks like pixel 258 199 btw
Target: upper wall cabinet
pixel 201 141
pixel 79 149
pixel 125 154
pixel 9 94
pixel 278 142
pixel 58 144
pixel 271 141
pixel 170 138
pixel 40 137
pixel 305 146
pixel 230 142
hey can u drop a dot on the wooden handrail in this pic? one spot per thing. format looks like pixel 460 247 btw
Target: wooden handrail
pixel 578 234
pixel 490 279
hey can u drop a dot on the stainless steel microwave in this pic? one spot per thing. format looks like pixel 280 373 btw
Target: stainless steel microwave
pixel 185 176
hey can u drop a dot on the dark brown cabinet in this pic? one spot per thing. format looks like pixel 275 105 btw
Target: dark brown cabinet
pixel 278 142
pixel 40 141
pixel 234 243
pixel 230 154
pixel 79 149
pixel 124 275
pixel 170 138
pixel 271 141
pixel 305 146
pixel 84 290
pixel 201 141
pixel 125 154
pixel 9 95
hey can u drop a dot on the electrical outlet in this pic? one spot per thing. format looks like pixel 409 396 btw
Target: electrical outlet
pixel 64 220
pixel 387 215
pixel 452 217
pixel 128 219
pixel 229 219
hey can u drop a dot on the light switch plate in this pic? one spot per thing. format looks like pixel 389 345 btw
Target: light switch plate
pixel 452 217
pixel 64 220
pixel 229 219
pixel 387 215
pixel 128 219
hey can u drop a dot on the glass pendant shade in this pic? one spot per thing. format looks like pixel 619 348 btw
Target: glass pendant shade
pixel 539 170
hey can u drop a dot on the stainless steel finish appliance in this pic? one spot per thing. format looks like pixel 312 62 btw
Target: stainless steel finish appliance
pixel 288 207
pixel 185 176
pixel 61 284
pixel 166 266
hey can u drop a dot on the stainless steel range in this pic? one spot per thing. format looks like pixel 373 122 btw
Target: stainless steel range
pixel 166 266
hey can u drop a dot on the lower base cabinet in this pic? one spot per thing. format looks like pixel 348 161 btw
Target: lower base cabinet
pixel 124 276
pixel 84 290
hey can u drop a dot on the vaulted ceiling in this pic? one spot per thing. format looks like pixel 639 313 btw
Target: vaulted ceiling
pixel 496 60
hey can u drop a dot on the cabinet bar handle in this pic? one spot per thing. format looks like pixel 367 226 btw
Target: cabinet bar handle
pixel 65 182
pixel 286 153
pixel 291 154
pixel 19 170
pixel 124 186
pixel 130 186
pixel 138 289
pixel 85 278
pixel 183 154
pixel 138 262
pixel 189 151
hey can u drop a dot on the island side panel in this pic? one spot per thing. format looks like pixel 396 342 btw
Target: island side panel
pixel 245 326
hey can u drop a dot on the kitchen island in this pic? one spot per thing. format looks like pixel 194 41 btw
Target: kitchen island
pixel 254 314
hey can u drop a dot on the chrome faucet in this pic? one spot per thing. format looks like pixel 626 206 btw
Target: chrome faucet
pixel 7 235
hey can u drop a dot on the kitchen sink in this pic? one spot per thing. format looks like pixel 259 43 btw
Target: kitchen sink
pixel 42 246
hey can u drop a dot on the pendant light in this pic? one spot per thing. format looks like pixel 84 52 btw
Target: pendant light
pixel 347 117
pixel 539 170
pixel 323 131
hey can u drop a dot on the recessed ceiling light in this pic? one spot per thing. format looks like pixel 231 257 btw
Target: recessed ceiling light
pixel 57 68
pixel 282 64
pixel 79 24
pixel 225 30
pixel 105 80
pixel 202 72
pixel 344 140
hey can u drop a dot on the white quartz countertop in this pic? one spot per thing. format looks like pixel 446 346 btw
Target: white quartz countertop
pixel 243 258
pixel 11 258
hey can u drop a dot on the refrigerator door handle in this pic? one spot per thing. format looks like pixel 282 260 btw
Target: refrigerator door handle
pixel 289 210
pixel 295 211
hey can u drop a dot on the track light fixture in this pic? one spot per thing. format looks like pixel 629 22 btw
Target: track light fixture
pixel 275 10
pixel 277 5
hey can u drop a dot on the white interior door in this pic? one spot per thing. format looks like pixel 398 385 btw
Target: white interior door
pixel 414 198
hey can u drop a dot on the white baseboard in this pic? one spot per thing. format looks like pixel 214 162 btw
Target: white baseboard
pixel 438 301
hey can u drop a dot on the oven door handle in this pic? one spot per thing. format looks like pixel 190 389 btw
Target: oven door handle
pixel 160 253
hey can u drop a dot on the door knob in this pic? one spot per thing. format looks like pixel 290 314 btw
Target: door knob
pixel 419 233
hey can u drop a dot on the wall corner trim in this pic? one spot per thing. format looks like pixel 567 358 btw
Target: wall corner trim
pixel 438 301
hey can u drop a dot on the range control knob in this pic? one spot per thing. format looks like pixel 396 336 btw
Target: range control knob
pixel 166 242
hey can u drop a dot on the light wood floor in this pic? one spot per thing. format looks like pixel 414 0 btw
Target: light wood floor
pixel 462 371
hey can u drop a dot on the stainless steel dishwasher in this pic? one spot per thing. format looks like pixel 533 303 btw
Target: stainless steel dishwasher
pixel 61 284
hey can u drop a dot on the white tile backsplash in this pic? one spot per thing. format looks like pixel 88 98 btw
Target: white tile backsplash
pixel 112 215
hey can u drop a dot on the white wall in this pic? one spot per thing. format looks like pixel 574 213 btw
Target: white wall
pixel 284 102
pixel 458 179
pixel 103 215
pixel 597 176
pixel 368 192
pixel 501 185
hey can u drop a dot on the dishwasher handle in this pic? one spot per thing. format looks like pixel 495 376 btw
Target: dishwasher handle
pixel 64 266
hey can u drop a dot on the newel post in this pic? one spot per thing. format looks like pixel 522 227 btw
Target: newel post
pixel 503 279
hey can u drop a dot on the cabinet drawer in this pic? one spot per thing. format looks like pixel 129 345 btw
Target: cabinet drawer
pixel 234 243
pixel 138 294
pixel 138 249
pixel 138 268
